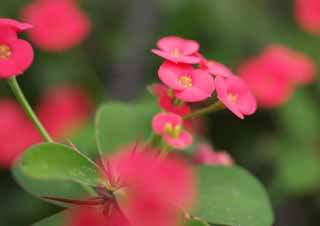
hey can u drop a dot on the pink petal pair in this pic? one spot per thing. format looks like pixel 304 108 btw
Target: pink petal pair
pixel 214 68
pixel 206 155
pixel 189 84
pixel 236 96
pixel 169 126
pixel 58 24
pixel 165 100
pixel 178 50
pixel 16 55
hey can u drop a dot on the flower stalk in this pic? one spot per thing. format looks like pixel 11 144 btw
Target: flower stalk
pixel 27 108
pixel 209 109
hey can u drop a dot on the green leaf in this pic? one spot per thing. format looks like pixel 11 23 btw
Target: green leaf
pixel 231 196
pixel 51 161
pixel 118 124
pixel 52 188
pixel 55 220
pixel 195 223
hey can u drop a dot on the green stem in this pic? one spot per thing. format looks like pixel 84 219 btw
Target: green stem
pixel 209 109
pixel 27 108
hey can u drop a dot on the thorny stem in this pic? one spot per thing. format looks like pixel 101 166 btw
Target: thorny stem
pixel 27 108
pixel 211 108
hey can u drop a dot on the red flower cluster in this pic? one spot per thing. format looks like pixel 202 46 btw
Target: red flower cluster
pixel 308 15
pixel 73 109
pixel 206 155
pixel 16 55
pixel 58 24
pixel 273 74
pixel 184 83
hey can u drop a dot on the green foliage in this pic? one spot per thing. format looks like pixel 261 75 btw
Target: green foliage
pixel 195 223
pixel 58 162
pixel 231 196
pixel 118 124
pixel 55 220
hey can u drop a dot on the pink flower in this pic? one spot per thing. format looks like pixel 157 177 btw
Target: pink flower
pixel 189 84
pixel 308 15
pixel 235 95
pixel 178 50
pixel 206 155
pixel 16 55
pixel 63 109
pixel 58 24
pixel 169 125
pixel 272 75
pixel 214 68
pixel 166 100
pixel 16 132
pixel 150 190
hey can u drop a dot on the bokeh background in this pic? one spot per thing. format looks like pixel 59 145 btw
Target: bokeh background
pixel 280 146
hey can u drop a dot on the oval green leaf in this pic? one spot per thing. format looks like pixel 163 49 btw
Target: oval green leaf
pixel 119 124
pixel 51 161
pixel 55 220
pixel 231 196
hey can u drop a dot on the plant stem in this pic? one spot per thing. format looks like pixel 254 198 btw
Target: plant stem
pixel 211 108
pixel 27 108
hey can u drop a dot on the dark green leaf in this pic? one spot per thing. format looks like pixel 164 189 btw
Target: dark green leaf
pixel 55 220
pixel 231 196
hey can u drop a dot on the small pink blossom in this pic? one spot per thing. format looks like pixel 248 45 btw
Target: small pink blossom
pixel 189 84
pixel 169 125
pixel 165 100
pixel 206 155
pixel 16 55
pixel 214 68
pixel 307 14
pixel 178 50
pixel 58 24
pixel 236 96
pixel 150 190
pixel 273 74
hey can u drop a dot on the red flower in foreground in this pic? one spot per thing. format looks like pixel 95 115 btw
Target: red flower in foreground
pixel 58 24
pixel 63 109
pixel 178 50
pixel 236 96
pixel 16 55
pixel 205 154
pixel 169 125
pixel 273 74
pixel 189 84
pixel 16 132
pixel 308 15
pixel 166 100
pixel 152 191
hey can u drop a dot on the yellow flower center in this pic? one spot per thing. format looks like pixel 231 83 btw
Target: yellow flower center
pixel 233 98
pixel 176 52
pixel 5 52
pixel 185 81
pixel 174 132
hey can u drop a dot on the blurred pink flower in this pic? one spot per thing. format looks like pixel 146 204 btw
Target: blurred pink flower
pixel 169 125
pixel 63 109
pixel 272 75
pixel 214 68
pixel 235 95
pixel 206 155
pixel 166 100
pixel 178 50
pixel 58 24
pixel 16 132
pixel 151 190
pixel 16 55
pixel 189 84
pixel 308 15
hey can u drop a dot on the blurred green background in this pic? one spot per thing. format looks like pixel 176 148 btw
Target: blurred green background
pixel 281 147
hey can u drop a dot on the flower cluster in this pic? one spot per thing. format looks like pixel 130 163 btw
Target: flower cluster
pixel 274 73
pixel 16 55
pixel 58 24
pixel 308 15
pixel 188 77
